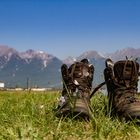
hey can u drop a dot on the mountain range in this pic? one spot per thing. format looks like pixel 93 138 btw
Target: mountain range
pixel 40 69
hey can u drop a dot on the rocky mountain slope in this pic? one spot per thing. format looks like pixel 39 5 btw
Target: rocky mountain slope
pixel 35 68
pixel 40 69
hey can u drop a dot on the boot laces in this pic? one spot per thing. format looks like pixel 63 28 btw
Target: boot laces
pixel 129 93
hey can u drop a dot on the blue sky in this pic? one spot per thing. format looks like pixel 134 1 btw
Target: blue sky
pixel 70 27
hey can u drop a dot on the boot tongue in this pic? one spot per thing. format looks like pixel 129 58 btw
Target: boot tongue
pixel 126 73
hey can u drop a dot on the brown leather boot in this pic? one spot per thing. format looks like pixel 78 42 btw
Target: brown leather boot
pixel 122 80
pixel 77 84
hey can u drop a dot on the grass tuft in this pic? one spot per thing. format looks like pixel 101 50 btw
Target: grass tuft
pixel 30 116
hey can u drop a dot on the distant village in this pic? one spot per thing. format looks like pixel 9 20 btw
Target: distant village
pixel 2 87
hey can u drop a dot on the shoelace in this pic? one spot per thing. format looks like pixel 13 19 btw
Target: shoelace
pixel 128 93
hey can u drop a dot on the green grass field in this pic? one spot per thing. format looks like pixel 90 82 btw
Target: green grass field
pixel 30 116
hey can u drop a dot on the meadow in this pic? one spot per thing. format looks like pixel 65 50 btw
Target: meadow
pixel 30 116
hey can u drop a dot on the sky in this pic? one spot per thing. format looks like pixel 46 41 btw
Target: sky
pixel 70 27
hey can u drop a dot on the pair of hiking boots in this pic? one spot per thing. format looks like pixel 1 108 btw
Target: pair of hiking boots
pixel 121 80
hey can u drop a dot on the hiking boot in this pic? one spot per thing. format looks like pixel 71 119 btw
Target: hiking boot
pixel 77 84
pixel 122 79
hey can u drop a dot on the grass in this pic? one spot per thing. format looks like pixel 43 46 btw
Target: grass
pixel 30 116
